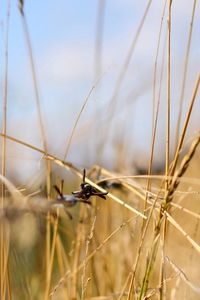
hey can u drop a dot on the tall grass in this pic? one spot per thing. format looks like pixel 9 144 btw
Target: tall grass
pixel 142 242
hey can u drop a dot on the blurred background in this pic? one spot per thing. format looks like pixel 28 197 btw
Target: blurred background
pixel 83 81
pixel 106 50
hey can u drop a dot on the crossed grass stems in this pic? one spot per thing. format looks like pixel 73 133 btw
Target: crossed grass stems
pixel 171 182
pixel 157 202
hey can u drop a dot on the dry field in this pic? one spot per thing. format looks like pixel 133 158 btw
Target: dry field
pixel 143 240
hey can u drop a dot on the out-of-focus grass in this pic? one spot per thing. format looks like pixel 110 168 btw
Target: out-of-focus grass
pixel 96 251
pixel 142 242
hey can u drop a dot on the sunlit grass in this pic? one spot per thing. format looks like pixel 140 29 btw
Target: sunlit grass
pixel 142 242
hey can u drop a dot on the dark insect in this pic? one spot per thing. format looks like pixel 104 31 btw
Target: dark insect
pixel 87 191
pixel 83 195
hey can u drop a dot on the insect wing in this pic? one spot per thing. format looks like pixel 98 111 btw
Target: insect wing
pixel 69 200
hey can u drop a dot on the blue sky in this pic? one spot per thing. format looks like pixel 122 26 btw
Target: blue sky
pixel 63 37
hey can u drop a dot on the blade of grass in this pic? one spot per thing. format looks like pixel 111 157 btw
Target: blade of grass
pixel 70 166
pixel 168 94
pixel 121 76
pixel 99 38
pixel 183 232
pixel 43 136
pixel 186 61
pixel 167 151
pixel 3 237
pixel 69 274
pixel 77 120
pixel 183 276
pixel 180 144
pixel 156 117
pixel 163 211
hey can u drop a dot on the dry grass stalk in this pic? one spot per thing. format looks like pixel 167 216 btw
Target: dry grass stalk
pixel 183 276
pixel 63 235
pixel 185 71
pixel 182 169
pixel 4 242
pixel 69 274
pixel 168 199
pixel 167 143
pixel 122 74
pixel 70 166
pixel 185 126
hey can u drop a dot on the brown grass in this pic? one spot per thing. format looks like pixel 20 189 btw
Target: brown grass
pixel 142 242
